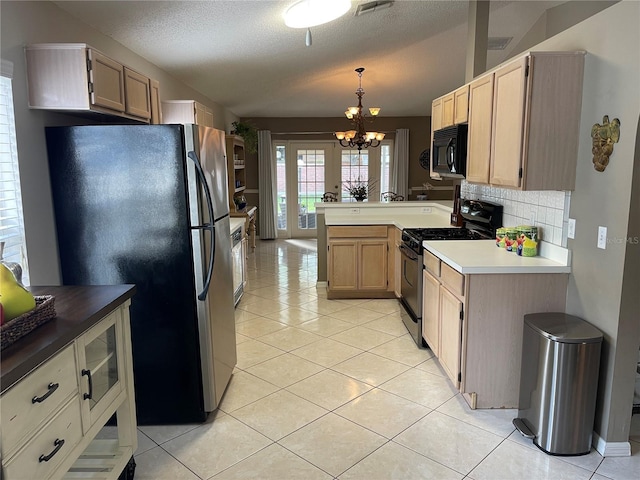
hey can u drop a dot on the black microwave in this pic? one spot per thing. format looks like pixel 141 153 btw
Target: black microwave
pixel 449 151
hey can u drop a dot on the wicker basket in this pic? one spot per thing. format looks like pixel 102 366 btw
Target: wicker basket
pixel 25 323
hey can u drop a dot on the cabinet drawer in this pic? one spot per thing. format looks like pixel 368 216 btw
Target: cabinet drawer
pixel 452 279
pixel 360 231
pixel 65 426
pixel 431 263
pixel 21 415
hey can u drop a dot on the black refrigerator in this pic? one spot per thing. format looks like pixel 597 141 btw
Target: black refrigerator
pixel 148 205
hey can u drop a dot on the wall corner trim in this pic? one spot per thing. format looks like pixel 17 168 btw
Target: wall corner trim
pixel 611 449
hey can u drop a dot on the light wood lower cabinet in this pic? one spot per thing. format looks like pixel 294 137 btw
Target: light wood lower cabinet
pixel 358 262
pixel 397 277
pixel 474 325
pixel 431 312
pixel 52 416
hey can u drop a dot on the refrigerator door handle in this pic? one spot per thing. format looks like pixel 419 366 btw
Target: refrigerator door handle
pixel 207 226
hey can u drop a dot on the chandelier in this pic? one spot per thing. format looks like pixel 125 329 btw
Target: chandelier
pixel 359 137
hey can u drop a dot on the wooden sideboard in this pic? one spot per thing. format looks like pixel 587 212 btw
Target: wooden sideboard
pixel 62 383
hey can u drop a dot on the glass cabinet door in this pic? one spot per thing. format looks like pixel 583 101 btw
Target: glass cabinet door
pixel 101 366
pixel 101 376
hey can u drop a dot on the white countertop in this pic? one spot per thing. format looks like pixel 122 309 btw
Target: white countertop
pixel 235 223
pixel 482 256
pixel 399 214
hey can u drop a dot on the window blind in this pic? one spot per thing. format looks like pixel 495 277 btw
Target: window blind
pixel 11 216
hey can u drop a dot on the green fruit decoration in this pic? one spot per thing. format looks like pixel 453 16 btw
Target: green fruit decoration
pixel 15 299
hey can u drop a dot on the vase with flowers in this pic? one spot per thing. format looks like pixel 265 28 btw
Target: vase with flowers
pixel 358 189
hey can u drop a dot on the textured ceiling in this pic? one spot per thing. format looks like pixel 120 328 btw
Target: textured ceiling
pixel 242 56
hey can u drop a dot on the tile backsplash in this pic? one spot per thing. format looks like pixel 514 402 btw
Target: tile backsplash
pixel 546 209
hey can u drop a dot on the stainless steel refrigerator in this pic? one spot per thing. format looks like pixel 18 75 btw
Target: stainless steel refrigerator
pixel 148 205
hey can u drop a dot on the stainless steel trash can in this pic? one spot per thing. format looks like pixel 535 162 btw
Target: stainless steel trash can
pixel 558 382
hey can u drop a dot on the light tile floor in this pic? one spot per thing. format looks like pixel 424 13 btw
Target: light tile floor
pixel 328 389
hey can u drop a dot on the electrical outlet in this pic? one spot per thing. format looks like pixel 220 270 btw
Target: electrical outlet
pixel 355 211
pixel 571 230
pixel 602 237
pixel 426 209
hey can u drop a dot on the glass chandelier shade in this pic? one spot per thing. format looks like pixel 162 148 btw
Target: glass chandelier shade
pixel 359 138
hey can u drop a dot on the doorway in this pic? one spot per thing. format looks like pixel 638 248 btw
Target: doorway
pixel 306 170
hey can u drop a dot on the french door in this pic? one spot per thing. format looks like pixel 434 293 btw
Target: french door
pixel 306 170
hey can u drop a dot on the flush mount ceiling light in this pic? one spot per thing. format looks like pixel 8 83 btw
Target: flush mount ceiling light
pixel 309 13
pixel 359 137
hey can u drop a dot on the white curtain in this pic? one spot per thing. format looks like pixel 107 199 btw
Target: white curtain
pixel 399 175
pixel 267 214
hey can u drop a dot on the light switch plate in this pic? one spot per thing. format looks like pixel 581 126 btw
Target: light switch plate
pixel 571 230
pixel 602 237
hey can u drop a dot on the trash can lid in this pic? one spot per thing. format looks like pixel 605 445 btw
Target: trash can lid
pixel 563 328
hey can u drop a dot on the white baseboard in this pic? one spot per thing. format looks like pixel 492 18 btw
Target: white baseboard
pixel 611 449
pixel 321 285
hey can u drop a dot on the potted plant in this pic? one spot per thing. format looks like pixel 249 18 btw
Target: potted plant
pixel 358 189
pixel 249 133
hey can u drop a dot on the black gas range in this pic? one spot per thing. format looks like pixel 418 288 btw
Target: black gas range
pixel 480 221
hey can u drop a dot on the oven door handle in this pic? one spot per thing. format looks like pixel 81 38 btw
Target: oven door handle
pixel 407 252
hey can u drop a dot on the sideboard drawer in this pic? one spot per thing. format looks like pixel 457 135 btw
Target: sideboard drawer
pixel 27 463
pixel 29 404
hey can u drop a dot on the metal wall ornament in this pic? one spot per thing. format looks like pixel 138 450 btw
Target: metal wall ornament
pixel 603 137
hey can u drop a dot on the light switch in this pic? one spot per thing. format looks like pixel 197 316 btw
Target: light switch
pixel 602 237
pixel 571 230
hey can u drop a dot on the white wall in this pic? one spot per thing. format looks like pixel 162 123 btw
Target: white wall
pixel 41 22
pixel 595 293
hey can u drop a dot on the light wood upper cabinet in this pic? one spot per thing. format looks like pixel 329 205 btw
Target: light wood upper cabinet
pixel 536 116
pixel 138 94
pixel 479 133
pixel 448 106
pixel 106 81
pixel 436 116
pixel 186 111
pixel 461 105
pixel 509 90
pixel 156 112
pixel 77 77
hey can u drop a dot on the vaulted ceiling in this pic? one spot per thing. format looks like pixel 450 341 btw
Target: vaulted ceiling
pixel 242 56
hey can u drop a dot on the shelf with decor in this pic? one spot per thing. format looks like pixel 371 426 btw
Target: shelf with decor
pixel 236 172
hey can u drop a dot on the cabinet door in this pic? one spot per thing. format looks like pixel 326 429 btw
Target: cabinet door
pixel 431 312
pixel 479 139
pixel 201 114
pixel 100 355
pixel 448 104
pixel 106 82
pixel 342 268
pixel 398 262
pixel 461 107
pixel 372 260
pixel 450 334
pixel 436 115
pixel 507 134
pixel 154 92
pixel 137 95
